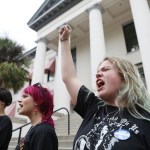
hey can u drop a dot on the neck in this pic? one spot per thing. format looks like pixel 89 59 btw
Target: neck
pixel 2 109
pixel 2 112
pixel 111 103
pixel 35 119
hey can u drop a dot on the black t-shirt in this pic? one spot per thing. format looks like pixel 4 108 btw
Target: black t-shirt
pixel 40 137
pixel 106 128
pixel 5 132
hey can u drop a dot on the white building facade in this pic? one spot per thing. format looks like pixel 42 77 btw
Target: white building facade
pixel 99 28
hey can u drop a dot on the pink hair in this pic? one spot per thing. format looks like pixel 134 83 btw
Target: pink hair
pixel 44 99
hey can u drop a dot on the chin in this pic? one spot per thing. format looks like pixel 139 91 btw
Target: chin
pixel 101 96
pixel 101 93
pixel 21 112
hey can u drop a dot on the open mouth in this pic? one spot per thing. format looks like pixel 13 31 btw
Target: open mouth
pixel 20 105
pixel 100 84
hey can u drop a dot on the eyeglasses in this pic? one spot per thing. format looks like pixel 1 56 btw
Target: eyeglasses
pixel 40 86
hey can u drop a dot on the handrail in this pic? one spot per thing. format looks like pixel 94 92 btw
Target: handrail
pixel 20 128
pixel 68 117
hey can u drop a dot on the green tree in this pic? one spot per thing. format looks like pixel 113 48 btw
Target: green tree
pixel 13 65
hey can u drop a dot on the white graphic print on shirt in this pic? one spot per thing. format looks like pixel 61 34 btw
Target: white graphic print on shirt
pixel 102 134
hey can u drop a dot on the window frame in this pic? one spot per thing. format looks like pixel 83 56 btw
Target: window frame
pixel 130 36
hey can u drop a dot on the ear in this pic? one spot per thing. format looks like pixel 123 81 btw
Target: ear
pixel 36 109
pixel 2 103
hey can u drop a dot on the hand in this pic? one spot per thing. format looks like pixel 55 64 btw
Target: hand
pixel 64 33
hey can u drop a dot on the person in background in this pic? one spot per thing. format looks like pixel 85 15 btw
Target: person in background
pixel 37 104
pixel 5 122
pixel 118 116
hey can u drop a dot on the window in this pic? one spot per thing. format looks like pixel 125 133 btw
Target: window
pixel 73 52
pixel 130 37
pixel 141 71
pixel 50 76
pixel 30 81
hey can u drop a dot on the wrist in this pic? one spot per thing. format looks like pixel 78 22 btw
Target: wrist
pixel 63 40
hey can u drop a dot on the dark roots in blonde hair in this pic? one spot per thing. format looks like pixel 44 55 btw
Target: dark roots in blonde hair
pixel 133 93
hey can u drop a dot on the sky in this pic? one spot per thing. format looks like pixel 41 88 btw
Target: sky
pixel 14 16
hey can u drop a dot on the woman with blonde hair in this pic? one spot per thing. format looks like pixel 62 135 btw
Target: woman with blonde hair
pixel 118 117
pixel 132 94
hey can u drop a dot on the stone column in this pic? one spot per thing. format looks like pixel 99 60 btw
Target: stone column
pixel 141 15
pixel 61 95
pixel 39 61
pixel 97 42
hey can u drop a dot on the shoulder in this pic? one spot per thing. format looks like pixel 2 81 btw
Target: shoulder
pixel 44 128
pixel 145 124
pixel 5 124
pixel 43 131
pixel 5 119
pixel 142 124
pixel 87 102
pixel 85 94
pixel 42 137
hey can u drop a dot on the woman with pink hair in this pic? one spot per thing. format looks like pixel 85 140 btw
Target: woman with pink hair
pixel 37 104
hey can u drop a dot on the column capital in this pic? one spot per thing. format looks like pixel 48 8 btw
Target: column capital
pixel 46 41
pixel 98 6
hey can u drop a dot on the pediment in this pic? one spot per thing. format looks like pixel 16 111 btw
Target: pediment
pixel 48 11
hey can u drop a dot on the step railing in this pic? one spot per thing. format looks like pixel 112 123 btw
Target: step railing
pixel 20 128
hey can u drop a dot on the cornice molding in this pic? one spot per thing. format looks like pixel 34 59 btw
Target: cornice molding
pixel 48 13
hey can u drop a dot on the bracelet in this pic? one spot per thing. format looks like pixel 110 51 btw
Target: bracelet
pixel 63 40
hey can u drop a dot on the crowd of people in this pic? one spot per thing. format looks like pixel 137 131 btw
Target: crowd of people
pixel 116 117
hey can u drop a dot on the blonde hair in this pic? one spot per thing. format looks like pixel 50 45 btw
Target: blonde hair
pixel 133 93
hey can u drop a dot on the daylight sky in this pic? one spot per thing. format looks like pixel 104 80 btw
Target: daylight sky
pixel 14 15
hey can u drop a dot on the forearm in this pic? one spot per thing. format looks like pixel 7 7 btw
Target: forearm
pixel 67 68
pixel 67 65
